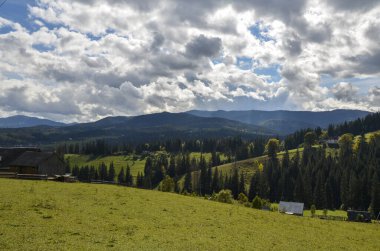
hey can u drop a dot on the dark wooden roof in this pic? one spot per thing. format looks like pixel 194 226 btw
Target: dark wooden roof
pixel 31 159
pixel 8 155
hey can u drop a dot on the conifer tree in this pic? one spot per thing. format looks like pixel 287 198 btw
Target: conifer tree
pixel 128 177
pixel 215 185
pixel 375 201
pixel 111 172
pixel 171 169
pixel 235 183
pixel 120 177
pixel 242 184
pixel 188 187
pixel 103 171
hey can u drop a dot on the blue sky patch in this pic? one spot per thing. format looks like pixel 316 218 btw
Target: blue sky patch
pixel 42 47
pixel 17 11
pixel 273 71
pixel 6 29
pixel 260 32
pixel 244 63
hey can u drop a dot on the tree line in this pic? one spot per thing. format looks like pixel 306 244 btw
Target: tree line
pixel 369 123
pixel 348 179
pixel 232 147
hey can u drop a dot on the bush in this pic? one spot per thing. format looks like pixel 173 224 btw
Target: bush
pixel 325 212
pixel 167 184
pixel 274 208
pixel 312 210
pixel 242 198
pixel 224 196
pixel 257 202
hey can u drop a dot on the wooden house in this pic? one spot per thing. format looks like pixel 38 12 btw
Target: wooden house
pixel 10 154
pixel 30 161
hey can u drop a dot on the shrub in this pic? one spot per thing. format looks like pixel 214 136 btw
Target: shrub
pixel 242 198
pixel 312 210
pixel 167 184
pixel 257 202
pixel 325 212
pixel 274 208
pixel 224 196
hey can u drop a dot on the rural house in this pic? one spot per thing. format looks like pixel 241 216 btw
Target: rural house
pixel 31 161
pixel 295 208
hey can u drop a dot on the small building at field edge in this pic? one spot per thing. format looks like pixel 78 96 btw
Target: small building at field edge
pixel 31 161
pixel 294 208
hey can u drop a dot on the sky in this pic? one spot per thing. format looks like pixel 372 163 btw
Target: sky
pixel 76 61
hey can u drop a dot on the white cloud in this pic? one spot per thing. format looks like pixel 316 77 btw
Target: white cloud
pixel 90 59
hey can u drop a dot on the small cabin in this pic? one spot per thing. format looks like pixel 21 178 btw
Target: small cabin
pixel 46 163
pixel 293 208
pixel 23 161
pixel 359 216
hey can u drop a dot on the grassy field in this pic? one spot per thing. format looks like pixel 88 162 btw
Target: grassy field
pixel 121 161
pixel 249 166
pixel 136 164
pixel 39 215
pixel 340 213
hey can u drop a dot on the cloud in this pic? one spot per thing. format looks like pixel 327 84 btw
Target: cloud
pixel 202 46
pixel 345 91
pixel 90 59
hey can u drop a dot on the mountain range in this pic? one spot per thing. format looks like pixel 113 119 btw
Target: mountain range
pixel 20 121
pixel 285 122
pixel 161 126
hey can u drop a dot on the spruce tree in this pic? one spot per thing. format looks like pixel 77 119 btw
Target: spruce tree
pixel 242 184
pixel 235 183
pixel 171 169
pixel 111 172
pixel 120 177
pixel 188 187
pixel 215 186
pixel 375 200
pixel 128 177
pixel 103 171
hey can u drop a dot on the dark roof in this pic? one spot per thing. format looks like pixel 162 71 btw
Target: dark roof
pixel 8 155
pixel 31 159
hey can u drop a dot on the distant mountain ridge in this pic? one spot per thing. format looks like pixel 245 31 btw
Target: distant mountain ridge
pixel 20 121
pixel 283 121
pixel 144 128
pixel 23 130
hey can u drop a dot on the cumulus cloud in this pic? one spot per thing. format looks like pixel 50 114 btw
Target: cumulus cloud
pixel 83 60
pixel 345 91
pixel 202 46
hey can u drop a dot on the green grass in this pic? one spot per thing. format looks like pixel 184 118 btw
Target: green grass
pixel 120 161
pixel 207 156
pixel 340 213
pixel 136 164
pixel 39 215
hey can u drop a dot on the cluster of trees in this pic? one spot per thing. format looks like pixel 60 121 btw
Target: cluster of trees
pixel 369 123
pixel 233 148
pixel 348 179
pixel 103 173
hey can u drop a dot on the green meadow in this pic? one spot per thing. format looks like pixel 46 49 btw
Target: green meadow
pixel 120 161
pixel 40 215
pixel 135 162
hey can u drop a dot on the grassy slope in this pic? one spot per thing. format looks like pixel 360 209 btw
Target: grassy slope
pixel 46 216
pixel 120 161
pixel 136 165
pixel 249 166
